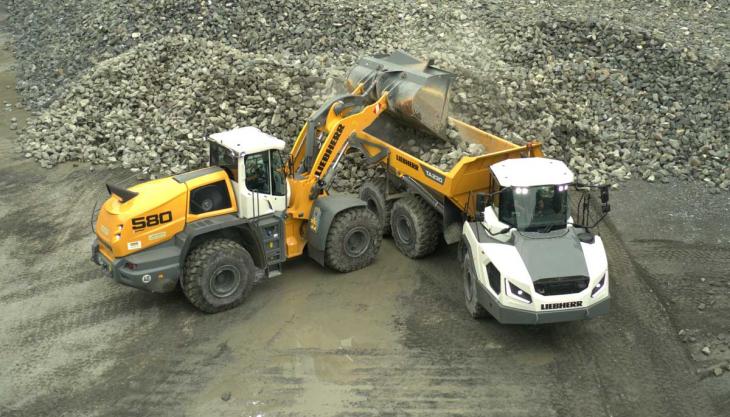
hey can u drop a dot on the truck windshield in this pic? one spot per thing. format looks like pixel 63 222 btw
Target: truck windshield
pixel 538 208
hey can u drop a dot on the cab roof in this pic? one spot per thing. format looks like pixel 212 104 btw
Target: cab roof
pixel 246 140
pixel 528 172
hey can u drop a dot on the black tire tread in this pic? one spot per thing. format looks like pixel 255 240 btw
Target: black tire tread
pixel 343 222
pixel 426 221
pixel 377 186
pixel 475 309
pixel 194 267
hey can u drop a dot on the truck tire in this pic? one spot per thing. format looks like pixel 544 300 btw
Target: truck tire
pixel 373 193
pixel 218 275
pixel 471 301
pixel 353 240
pixel 415 226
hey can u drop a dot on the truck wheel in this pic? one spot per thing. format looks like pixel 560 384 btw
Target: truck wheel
pixel 353 240
pixel 373 193
pixel 218 275
pixel 470 289
pixel 415 226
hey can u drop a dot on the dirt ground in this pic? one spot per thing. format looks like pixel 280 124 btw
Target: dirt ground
pixel 393 339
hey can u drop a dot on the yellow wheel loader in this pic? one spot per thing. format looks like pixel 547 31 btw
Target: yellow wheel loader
pixel 219 229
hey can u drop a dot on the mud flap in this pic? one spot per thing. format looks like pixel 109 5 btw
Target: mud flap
pixel 324 211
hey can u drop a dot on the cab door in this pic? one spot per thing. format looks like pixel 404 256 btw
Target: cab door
pixel 263 188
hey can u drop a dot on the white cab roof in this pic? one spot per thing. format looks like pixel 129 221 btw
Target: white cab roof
pixel 527 172
pixel 247 140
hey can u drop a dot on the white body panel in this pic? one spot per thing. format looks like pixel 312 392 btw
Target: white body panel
pixel 528 172
pixel 247 140
pixel 252 204
pixel 512 268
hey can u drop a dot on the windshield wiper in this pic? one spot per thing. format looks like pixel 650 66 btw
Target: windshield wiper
pixel 547 228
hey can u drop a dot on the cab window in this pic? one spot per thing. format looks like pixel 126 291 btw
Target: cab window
pixel 257 172
pixel 277 170
pixel 211 197
pixel 224 158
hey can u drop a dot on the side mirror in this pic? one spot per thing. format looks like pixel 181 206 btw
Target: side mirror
pixel 604 194
pixel 605 207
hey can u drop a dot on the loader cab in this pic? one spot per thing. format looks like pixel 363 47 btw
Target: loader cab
pixel 254 162
pixel 531 195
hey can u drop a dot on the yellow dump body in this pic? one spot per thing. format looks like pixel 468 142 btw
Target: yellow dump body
pixel 471 174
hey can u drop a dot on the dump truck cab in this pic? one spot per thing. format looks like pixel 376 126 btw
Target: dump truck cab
pixel 524 259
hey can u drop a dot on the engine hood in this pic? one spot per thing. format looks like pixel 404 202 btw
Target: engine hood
pixel 551 255
pixel 154 215
pixel 151 194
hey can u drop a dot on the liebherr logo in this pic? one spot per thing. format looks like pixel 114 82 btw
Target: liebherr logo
pixel 557 306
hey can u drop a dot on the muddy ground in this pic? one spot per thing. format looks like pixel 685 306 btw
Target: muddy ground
pixel 393 339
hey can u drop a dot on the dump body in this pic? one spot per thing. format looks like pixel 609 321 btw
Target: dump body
pixel 471 174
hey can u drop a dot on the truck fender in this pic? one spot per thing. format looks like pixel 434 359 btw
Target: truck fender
pixel 227 225
pixel 324 211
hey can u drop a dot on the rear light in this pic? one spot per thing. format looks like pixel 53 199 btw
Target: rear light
pixel 130 265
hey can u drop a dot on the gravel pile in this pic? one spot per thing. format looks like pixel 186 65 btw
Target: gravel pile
pixel 612 101
pixel 56 41
pixel 148 108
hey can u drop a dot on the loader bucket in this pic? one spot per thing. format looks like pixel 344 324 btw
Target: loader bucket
pixel 417 91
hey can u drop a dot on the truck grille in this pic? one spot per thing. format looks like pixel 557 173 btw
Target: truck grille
pixel 561 285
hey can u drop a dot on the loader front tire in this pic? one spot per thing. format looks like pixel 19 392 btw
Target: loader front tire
pixel 218 275
pixel 415 226
pixel 373 193
pixel 353 240
pixel 475 309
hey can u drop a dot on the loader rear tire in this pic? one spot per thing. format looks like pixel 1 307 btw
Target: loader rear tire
pixel 218 275
pixel 415 226
pixel 373 193
pixel 471 301
pixel 353 240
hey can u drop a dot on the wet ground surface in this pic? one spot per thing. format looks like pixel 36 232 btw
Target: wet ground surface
pixel 393 339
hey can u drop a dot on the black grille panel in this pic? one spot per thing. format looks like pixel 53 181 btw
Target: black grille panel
pixel 495 278
pixel 561 285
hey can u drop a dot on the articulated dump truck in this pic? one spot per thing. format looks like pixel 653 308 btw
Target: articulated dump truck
pixel 217 230
pixel 524 258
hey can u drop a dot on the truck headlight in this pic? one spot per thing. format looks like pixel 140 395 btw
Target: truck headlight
pixel 518 293
pixel 603 283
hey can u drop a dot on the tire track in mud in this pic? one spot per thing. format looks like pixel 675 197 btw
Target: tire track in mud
pixel 78 316
pixel 630 356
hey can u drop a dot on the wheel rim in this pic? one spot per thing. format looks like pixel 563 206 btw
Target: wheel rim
pixel 404 229
pixel 468 286
pixel 356 242
pixel 225 281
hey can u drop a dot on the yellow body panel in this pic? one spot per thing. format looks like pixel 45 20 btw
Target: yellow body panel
pixel 156 215
pixel 115 227
pixel 470 175
pixel 338 128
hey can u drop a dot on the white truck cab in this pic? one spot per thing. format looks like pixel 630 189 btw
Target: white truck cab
pixel 256 161
pixel 524 260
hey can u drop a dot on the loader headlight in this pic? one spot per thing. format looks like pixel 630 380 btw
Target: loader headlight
pixel 603 283
pixel 518 293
